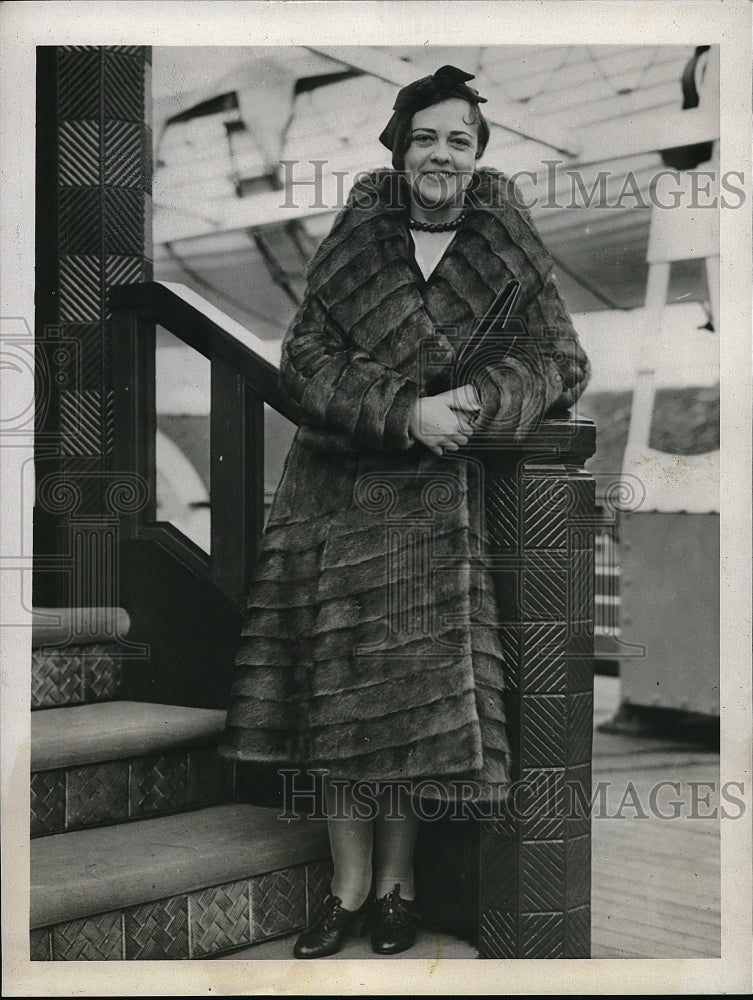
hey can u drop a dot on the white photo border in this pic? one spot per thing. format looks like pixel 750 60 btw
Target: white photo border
pixel 25 25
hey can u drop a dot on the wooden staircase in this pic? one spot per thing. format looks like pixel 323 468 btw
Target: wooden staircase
pixel 146 845
pixel 140 848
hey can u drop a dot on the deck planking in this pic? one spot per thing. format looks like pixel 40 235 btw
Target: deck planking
pixel 655 882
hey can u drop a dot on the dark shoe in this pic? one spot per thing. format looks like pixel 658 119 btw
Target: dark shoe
pixel 326 936
pixel 393 927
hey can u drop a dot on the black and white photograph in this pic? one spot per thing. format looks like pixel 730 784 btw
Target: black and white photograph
pixel 375 460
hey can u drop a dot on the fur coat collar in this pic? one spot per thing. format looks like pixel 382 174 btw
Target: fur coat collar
pixel 366 295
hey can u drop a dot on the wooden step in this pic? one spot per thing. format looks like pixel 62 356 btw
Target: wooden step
pixel 84 734
pixel 117 761
pixel 77 626
pixel 183 886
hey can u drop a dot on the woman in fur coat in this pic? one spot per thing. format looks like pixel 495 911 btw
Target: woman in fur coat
pixel 369 649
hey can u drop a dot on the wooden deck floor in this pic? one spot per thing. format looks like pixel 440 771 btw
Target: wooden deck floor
pixel 655 882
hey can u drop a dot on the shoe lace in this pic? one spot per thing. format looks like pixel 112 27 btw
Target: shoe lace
pixel 334 905
pixel 393 907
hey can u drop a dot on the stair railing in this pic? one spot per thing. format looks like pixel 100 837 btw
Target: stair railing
pixel 242 382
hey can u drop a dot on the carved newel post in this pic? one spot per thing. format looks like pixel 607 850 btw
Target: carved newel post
pixel 519 882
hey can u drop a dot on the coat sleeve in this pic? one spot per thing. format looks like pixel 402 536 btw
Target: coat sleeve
pixel 542 367
pixel 344 390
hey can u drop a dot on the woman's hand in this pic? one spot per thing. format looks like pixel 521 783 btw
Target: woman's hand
pixel 464 398
pixel 445 422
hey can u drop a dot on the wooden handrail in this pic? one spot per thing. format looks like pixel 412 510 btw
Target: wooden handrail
pixel 210 331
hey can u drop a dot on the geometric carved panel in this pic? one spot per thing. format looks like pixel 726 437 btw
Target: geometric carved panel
pixel 498 884
pixel 545 668
pixel 114 791
pixel 124 87
pixel 143 51
pixel 578 932
pixel 278 902
pixel 545 513
pixel 55 680
pixel 579 727
pixel 123 221
pixel 502 514
pixel 97 793
pixel 543 793
pixel 69 675
pixel 79 288
pixel 92 939
pixel 95 147
pixel 220 918
pixel 545 594
pixel 102 674
pixel 498 933
pixel 543 826
pixel 582 500
pixel 40 944
pixel 581 581
pixel 78 84
pixel 87 338
pixel 81 422
pixel 86 422
pixel 578 855
pixel 159 783
pixel 157 930
pixel 542 935
pixel 47 802
pixel 542 656
pixel 578 798
pixel 123 158
pixel 542 872
pixel 123 270
pixel 318 887
pixel 80 214
pixel 78 144
pixel 543 730
pixel 580 674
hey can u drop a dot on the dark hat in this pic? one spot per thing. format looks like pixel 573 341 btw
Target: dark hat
pixel 448 81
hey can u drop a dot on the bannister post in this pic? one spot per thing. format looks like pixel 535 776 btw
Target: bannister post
pixel 519 881
pixel 93 219
pixel 236 480
pixel 133 352
pixel 535 859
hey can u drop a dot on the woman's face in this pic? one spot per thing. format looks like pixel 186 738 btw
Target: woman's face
pixel 441 157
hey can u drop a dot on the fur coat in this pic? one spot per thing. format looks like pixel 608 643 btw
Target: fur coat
pixel 369 644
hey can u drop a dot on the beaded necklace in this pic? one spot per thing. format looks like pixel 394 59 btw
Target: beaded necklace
pixel 437 227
